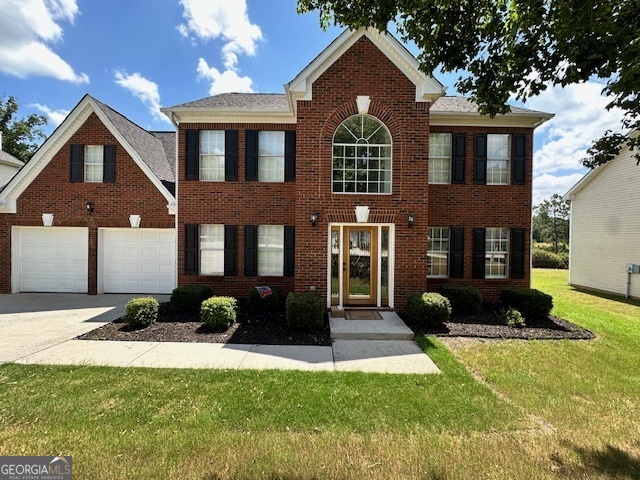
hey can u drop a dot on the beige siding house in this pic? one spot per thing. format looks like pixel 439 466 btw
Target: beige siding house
pixel 605 227
pixel 9 165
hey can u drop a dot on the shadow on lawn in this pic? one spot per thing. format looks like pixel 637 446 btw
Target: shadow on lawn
pixel 609 461
pixel 607 296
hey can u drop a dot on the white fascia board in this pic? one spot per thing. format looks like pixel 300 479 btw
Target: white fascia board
pixel 471 119
pixel 211 115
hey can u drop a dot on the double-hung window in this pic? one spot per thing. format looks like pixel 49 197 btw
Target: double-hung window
pixel 498 159
pixel 211 249
pixel 93 163
pixel 440 158
pixel 496 252
pixel 438 252
pixel 271 250
pixel 212 159
pixel 270 156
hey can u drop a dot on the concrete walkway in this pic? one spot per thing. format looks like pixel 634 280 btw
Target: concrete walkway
pixel 32 334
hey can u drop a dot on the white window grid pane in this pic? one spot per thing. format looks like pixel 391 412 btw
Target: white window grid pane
pixel 271 250
pixel 212 155
pixel 497 172
pixel 271 169
pixel 498 159
pixel 212 249
pixel 93 159
pixel 438 252
pixel 439 170
pixel 270 156
pixel 212 142
pixel 440 145
pixel 496 252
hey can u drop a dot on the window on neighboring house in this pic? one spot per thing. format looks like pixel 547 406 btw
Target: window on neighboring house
pixel 93 163
pixel 498 159
pixel 271 250
pixel 438 252
pixel 496 252
pixel 440 158
pixel 361 156
pixel 212 159
pixel 211 249
pixel 270 156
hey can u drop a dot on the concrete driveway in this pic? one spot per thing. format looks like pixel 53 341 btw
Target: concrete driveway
pixel 32 322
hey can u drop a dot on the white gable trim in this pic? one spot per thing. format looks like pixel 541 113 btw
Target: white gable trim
pixel 428 89
pixel 70 125
pixel 12 162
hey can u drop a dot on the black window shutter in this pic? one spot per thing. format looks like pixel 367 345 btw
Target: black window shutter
pixel 109 164
pixel 290 156
pixel 458 157
pixel 250 250
pixel 192 161
pixel 519 160
pixel 75 164
pixel 230 155
pixel 479 246
pixel 480 176
pixel 517 252
pixel 230 250
pixel 456 254
pixel 289 250
pixel 251 155
pixel 191 247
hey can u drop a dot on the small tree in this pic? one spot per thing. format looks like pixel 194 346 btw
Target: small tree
pixel 551 221
pixel 20 137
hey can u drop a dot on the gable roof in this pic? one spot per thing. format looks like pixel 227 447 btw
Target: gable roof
pixel 8 159
pixel 145 148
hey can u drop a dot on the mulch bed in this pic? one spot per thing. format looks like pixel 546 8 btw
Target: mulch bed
pixel 172 326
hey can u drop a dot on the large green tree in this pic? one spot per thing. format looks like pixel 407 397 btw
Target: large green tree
pixel 551 222
pixel 20 137
pixel 519 47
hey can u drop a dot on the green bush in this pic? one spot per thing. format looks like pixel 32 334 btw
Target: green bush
pixel 429 309
pixel 465 299
pixel 305 311
pixel 141 312
pixel 268 304
pixel 534 305
pixel 545 259
pixel 219 312
pixel 190 297
pixel 512 318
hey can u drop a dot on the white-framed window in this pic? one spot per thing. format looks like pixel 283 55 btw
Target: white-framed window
pixel 498 159
pixel 270 156
pixel 361 156
pixel 438 252
pixel 440 158
pixel 271 250
pixel 211 249
pixel 212 155
pixel 496 252
pixel 93 163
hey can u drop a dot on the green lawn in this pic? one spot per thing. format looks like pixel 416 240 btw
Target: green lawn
pixel 562 409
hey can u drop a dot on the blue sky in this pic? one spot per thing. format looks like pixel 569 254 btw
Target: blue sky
pixel 137 55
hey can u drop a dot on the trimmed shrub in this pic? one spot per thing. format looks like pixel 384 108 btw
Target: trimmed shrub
pixel 270 303
pixel 430 309
pixel 465 299
pixel 512 318
pixel 305 311
pixel 219 312
pixel 141 312
pixel 533 304
pixel 544 259
pixel 190 297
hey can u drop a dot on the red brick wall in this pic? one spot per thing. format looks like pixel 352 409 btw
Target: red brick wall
pixel 52 192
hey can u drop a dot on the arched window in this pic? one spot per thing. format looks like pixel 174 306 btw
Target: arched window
pixel 361 156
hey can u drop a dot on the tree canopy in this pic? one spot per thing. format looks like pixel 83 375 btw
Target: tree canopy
pixel 20 137
pixel 551 222
pixel 517 47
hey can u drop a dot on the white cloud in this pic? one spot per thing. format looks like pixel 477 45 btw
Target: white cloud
pixel 55 116
pixel 221 82
pixel 27 28
pixel 145 90
pixel 546 185
pixel 207 20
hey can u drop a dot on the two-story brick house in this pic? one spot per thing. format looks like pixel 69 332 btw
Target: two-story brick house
pixel 362 182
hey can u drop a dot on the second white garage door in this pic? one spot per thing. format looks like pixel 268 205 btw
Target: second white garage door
pixel 136 260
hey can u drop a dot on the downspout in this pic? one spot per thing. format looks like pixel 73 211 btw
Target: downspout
pixel 628 294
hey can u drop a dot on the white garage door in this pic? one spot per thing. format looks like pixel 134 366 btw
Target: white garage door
pixel 137 260
pixel 50 259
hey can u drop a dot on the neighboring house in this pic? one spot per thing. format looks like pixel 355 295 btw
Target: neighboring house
pixel 362 182
pixel 605 227
pixel 94 172
pixel 9 165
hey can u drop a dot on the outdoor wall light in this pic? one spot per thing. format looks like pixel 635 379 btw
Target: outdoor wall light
pixel 313 219
pixel 89 207
pixel 412 219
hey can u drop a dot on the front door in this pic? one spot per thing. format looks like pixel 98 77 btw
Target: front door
pixel 360 265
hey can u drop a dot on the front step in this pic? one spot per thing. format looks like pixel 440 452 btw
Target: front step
pixel 391 327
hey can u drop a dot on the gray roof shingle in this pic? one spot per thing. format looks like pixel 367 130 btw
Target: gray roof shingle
pixel 453 104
